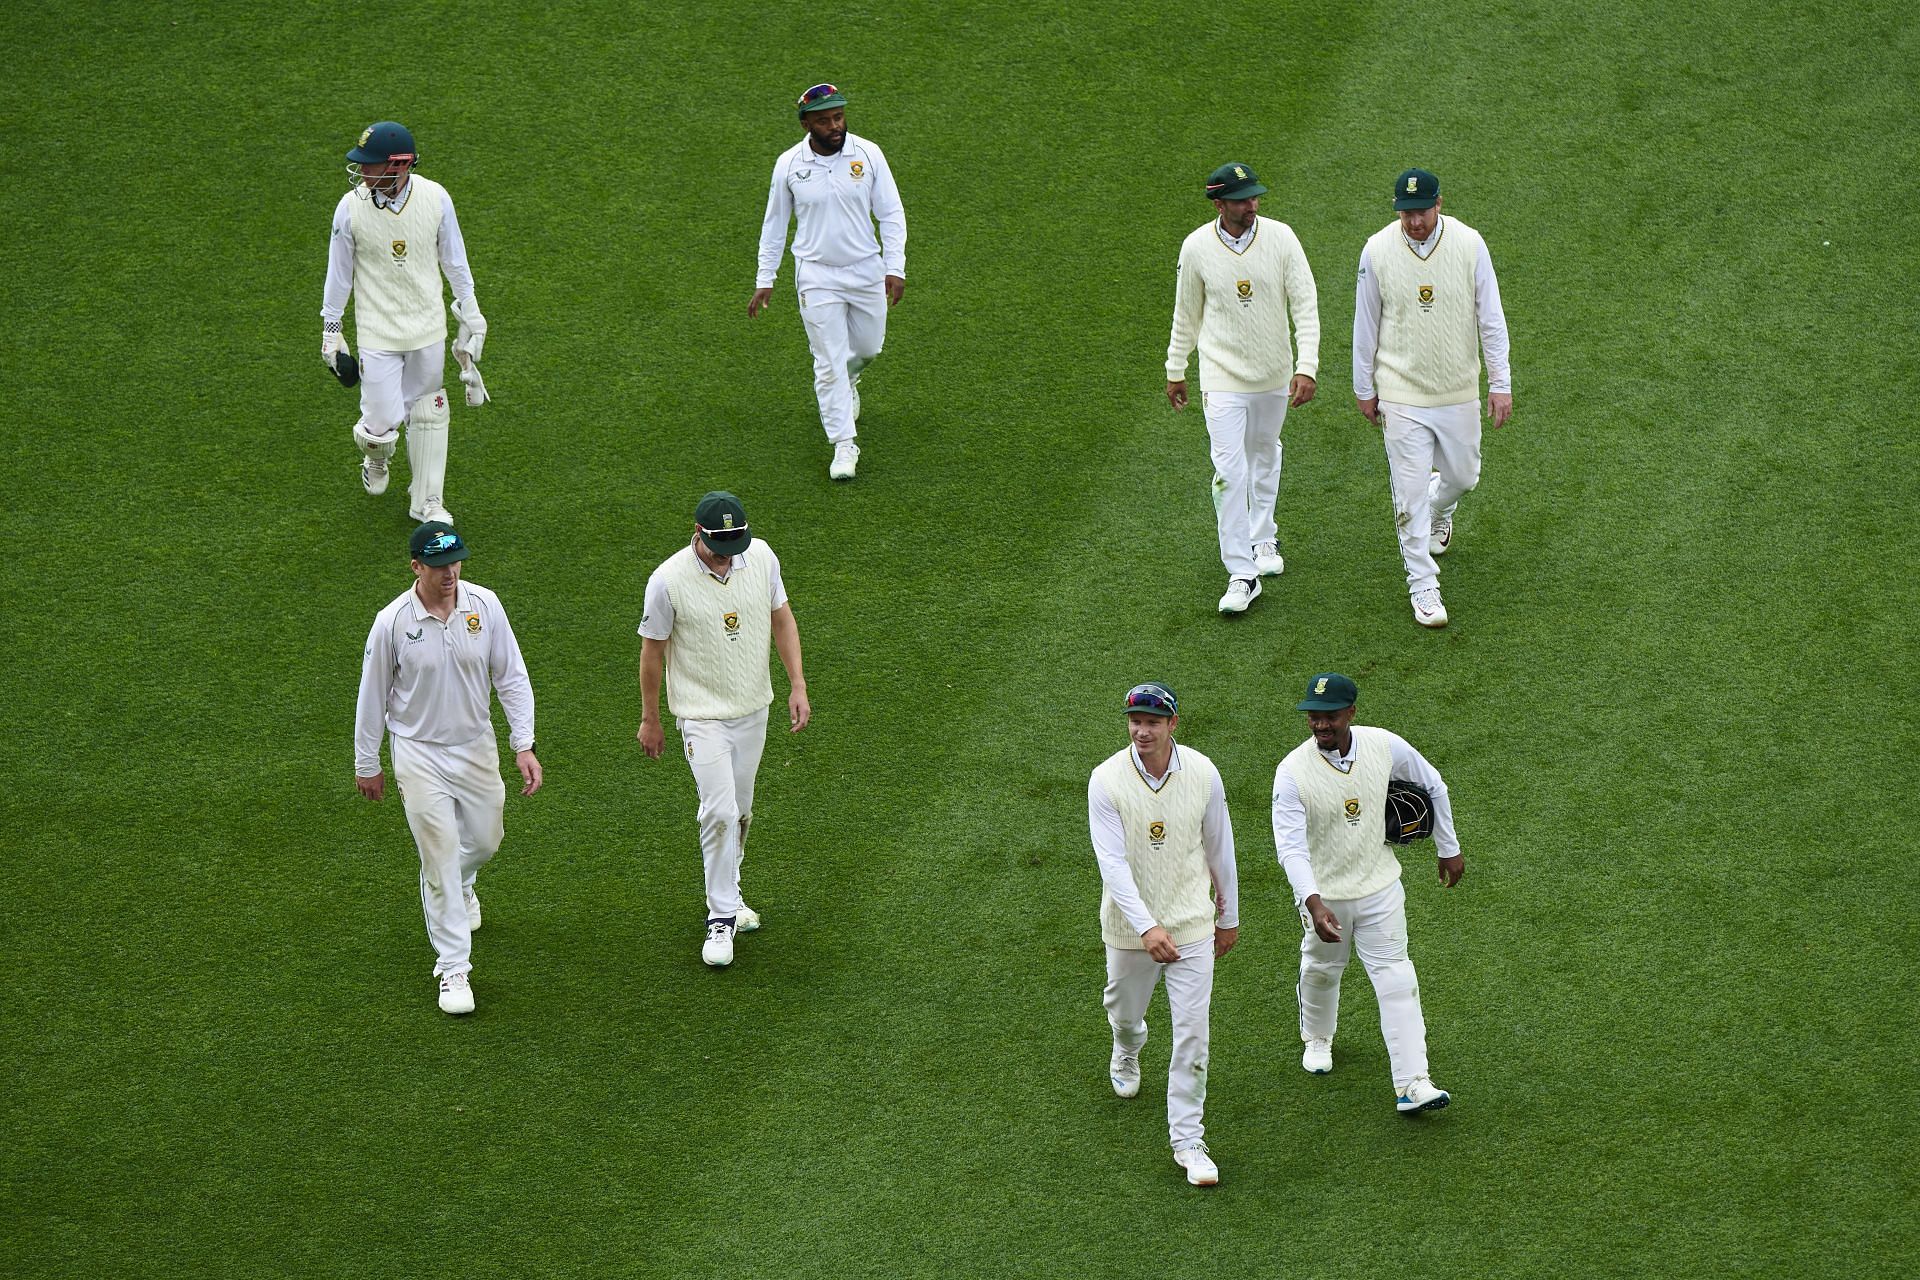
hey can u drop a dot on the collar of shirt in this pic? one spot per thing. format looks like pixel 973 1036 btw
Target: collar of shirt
pixel 732 564
pixel 462 603
pixel 1344 763
pixel 1236 243
pixel 1424 247
pixel 398 201
pixel 1173 766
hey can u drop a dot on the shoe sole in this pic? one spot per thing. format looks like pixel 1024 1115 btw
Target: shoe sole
pixel 1434 624
pixel 1432 1105
pixel 1122 1089
pixel 1316 1071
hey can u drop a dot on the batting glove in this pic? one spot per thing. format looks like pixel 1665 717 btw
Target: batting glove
pixel 473 329
pixel 332 343
pixel 476 389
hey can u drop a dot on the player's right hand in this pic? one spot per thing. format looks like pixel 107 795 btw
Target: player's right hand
pixel 1160 945
pixel 758 302
pixel 1177 394
pixel 332 343
pixel 653 738
pixel 1325 923
pixel 1370 409
pixel 372 788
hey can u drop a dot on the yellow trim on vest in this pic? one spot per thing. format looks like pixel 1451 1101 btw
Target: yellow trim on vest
pixel 1218 227
pixel 1439 232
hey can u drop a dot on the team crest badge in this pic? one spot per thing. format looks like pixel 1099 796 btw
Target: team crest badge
pixel 365 134
pixel 733 623
pixel 856 169
pixel 1353 810
pixel 1157 832
pixel 473 624
pixel 726 521
pixel 1244 288
pixel 1320 685
pixel 1413 186
pixel 1426 295
pixel 1238 172
pixel 400 251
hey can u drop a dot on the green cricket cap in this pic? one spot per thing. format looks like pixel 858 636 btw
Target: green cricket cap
pixel 819 98
pixel 436 543
pixel 1234 182
pixel 722 522
pixel 1416 189
pixel 1328 691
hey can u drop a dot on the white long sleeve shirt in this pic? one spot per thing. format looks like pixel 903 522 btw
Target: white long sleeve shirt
pixel 836 200
pixel 452 250
pixel 431 681
pixel 1290 814
pixel 1110 848
pixel 1494 342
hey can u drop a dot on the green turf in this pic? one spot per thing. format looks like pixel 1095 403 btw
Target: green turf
pixel 1674 996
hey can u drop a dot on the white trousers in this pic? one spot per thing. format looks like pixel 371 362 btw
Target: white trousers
pixel 1131 977
pixel 846 322
pixel 1244 431
pixel 455 801
pixel 1376 927
pixel 1421 440
pixel 724 756
pixel 392 380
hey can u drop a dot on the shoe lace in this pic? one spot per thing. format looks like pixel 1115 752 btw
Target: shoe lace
pixel 1196 1146
pixel 1428 600
pixel 718 930
pixel 452 981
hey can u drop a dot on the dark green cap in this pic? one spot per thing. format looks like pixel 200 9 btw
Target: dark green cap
pixel 1328 691
pixel 1233 182
pixel 1152 698
pixel 819 98
pixel 436 543
pixel 722 522
pixel 1416 189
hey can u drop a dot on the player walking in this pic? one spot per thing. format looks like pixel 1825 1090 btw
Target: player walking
pixel 433 658
pixel 836 185
pixel 1329 823
pixel 711 610
pixel 1169 905
pixel 394 233
pixel 1241 278
pixel 1425 307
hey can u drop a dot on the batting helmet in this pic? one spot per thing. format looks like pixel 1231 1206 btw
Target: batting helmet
pixel 388 140
pixel 1409 812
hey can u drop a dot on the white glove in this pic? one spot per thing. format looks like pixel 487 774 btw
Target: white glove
pixel 470 379
pixel 332 343
pixel 473 329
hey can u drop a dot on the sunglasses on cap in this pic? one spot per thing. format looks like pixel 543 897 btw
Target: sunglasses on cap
pixel 441 542
pixel 816 93
pixel 723 535
pixel 1152 697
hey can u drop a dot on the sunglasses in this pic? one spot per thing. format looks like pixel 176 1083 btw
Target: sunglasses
pixel 816 93
pixel 1151 697
pixel 441 542
pixel 723 535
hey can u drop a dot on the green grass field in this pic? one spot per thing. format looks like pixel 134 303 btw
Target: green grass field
pixel 1674 996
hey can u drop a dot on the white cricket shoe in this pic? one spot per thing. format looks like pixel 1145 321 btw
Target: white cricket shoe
pixel 1421 1095
pixel 1427 609
pixel 1267 561
pixel 1124 1071
pixel 746 920
pixel 1201 1170
pixel 1317 1058
pixel 717 950
pixel 432 513
pixel 456 993
pixel 846 458
pixel 373 475
pixel 1241 592
pixel 473 908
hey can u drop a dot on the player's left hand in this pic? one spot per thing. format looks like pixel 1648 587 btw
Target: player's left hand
pixel 1451 869
pixel 1302 390
pixel 896 289
pixel 1223 940
pixel 1177 394
pixel 529 768
pixel 372 787
pixel 1499 408
pixel 799 710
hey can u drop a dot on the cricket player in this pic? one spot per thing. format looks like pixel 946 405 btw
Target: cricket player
pixel 1169 905
pixel 1426 306
pixel 836 185
pixel 711 610
pixel 1329 822
pixel 394 233
pixel 433 659
pixel 1242 279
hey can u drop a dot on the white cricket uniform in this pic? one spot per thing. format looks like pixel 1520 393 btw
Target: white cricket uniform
pixel 428 684
pixel 839 272
pixel 718 630
pixel 1329 828
pixel 1182 879
pixel 1423 312
pixel 1235 299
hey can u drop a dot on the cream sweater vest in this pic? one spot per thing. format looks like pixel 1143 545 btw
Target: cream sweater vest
pixel 1346 816
pixel 1237 306
pixel 1164 849
pixel 717 665
pixel 398 305
pixel 1429 350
